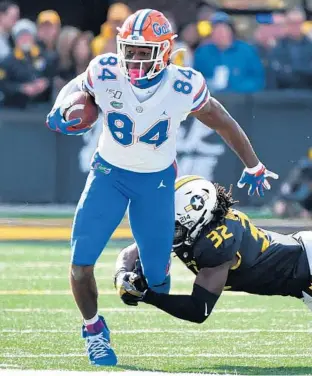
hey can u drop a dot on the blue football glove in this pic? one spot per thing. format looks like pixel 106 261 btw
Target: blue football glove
pixel 57 123
pixel 257 180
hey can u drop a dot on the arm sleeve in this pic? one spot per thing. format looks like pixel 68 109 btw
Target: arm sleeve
pixel 195 308
pixel 94 70
pixel 87 80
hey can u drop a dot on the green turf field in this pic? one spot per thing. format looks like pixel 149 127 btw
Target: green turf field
pixel 40 325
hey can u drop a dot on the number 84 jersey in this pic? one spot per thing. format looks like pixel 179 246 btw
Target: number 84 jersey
pixel 141 136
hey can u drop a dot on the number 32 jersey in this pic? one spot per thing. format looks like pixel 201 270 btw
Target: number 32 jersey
pixel 141 136
pixel 267 263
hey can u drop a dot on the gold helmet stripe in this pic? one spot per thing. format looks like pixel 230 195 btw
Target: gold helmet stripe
pixel 183 180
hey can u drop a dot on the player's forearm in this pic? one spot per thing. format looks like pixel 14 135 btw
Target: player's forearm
pixel 127 258
pixel 195 308
pixel 223 123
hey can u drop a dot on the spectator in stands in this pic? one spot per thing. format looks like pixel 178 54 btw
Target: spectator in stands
pixel 81 53
pixel 295 196
pixel 79 56
pixel 9 15
pixel 228 64
pixel 265 38
pixel 106 40
pixel 48 32
pixel 204 14
pixel 64 46
pixel 183 55
pixel 264 42
pixel 26 74
pixel 189 35
pixel 291 59
pixel 49 26
pixel 279 26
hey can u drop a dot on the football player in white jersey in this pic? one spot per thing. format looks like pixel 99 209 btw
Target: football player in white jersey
pixel 143 99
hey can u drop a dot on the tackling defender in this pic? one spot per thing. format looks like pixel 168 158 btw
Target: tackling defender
pixel 225 250
pixel 143 99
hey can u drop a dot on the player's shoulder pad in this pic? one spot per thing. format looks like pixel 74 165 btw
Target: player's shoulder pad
pixel 190 83
pixel 217 245
pixel 100 68
pixel 107 59
pixel 201 92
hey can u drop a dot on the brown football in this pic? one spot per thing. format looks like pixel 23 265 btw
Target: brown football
pixel 81 105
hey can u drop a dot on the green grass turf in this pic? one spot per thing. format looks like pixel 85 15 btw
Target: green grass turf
pixel 40 324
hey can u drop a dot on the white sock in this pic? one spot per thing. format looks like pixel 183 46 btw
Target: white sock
pixel 92 321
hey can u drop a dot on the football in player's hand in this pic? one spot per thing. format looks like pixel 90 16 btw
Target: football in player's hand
pixel 80 105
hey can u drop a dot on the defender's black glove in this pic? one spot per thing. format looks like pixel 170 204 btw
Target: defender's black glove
pixel 130 286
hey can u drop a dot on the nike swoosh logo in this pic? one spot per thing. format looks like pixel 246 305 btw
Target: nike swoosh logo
pixel 206 310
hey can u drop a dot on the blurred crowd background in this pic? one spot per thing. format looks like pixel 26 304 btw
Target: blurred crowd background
pixel 235 53
pixel 240 46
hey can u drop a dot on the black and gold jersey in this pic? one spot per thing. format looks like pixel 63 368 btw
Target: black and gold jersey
pixel 266 263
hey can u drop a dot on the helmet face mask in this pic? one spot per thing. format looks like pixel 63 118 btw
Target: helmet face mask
pixel 147 29
pixel 183 234
pixel 180 234
pixel 195 201
pixel 148 68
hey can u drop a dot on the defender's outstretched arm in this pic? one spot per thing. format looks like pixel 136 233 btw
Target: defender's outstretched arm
pixel 196 307
pixel 207 288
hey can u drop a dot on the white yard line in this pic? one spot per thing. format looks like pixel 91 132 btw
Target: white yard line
pixel 165 331
pixel 47 264
pixel 56 264
pixel 102 292
pixel 140 310
pixel 48 292
pixel 102 373
pixel 47 251
pixel 164 355
pixel 7 277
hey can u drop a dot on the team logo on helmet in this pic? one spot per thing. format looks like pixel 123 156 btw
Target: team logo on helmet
pixel 146 28
pixel 197 202
pixel 160 30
